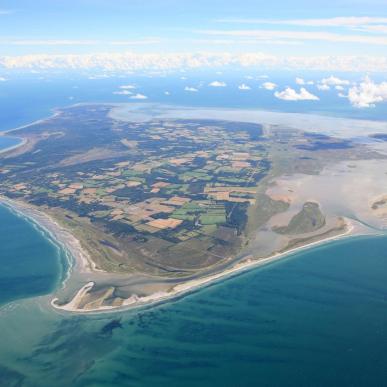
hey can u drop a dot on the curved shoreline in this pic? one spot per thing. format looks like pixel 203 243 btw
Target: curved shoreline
pixel 22 142
pixel 59 235
pixel 81 262
pixel 182 289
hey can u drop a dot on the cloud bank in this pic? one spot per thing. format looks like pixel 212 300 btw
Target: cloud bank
pixel 130 61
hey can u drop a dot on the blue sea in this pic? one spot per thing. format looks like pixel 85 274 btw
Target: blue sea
pixel 316 318
pixel 31 263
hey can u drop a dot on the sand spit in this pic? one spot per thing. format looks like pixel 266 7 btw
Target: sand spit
pixel 39 121
pixel 22 142
pixel 82 263
pixel 351 229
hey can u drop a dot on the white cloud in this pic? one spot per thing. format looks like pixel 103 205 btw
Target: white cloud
pixel 290 94
pixel 302 82
pixel 269 85
pixel 323 87
pixel 334 81
pixel 98 76
pixel 345 21
pixel 123 92
pixel 127 87
pixel 167 93
pixel 139 42
pixel 258 77
pixel 131 62
pixel 244 87
pixel 139 96
pixel 374 28
pixel 78 42
pixel 217 84
pixel 246 41
pixel 339 87
pixel 367 93
pixel 2 79
pixel 192 89
pixel 298 36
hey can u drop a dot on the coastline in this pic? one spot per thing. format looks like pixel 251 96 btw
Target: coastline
pixel 62 237
pixel 23 140
pixel 81 262
pixel 193 285
pixel 39 121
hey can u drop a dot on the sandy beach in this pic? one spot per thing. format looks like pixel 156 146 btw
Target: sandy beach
pixel 178 290
pixel 22 142
pixel 91 279
pixel 41 120
pixel 82 263
pixel 81 260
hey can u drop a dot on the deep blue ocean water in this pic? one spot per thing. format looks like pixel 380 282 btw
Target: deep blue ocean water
pixel 318 318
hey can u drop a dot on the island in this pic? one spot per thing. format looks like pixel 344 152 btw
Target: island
pixel 152 208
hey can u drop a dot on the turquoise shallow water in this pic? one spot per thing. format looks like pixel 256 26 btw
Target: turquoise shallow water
pixel 318 318
pixel 30 263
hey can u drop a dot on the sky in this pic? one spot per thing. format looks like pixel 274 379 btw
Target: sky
pixel 298 27
pixel 163 36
